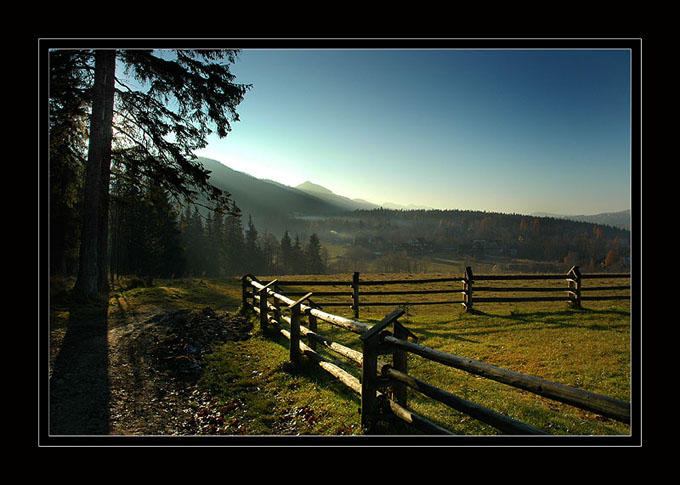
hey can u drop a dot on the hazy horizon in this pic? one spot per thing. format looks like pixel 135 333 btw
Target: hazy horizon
pixel 510 131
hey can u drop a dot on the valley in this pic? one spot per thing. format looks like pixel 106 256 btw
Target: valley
pixel 357 235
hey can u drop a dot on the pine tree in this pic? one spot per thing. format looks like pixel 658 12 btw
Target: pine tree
pixel 270 247
pixel 297 256
pixel 313 258
pixel 214 253
pixel 128 220
pixel 285 259
pixel 164 252
pixel 68 127
pixel 253 255
pixel 233 245
pixel 194 242
pixel 159 127
pixel 92 275
pixel 145 232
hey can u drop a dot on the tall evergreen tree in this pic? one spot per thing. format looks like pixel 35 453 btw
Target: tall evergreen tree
pixel 313 260
pixel 298 259
pixel 270 247
pixel 68 127
pixel 195 242
pixel 164 252
pixel 233 245
pixel 285 257
pixel 94 228
pixel 145 232
pixel 214 243
pixel 158 127
pixel 253 255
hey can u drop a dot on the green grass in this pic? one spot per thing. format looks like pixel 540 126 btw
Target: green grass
pixel 588 348
pixel 180 293
pixel 261 395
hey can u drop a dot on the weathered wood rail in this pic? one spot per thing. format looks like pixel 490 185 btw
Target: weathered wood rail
pixel 382 385
pixel 469 293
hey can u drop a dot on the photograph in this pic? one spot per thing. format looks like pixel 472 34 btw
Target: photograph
pixel 361 242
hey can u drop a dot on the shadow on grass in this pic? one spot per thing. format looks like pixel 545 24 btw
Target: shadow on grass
pixel 569 312
pixel 79 385
pixel 312 371
pixel 465 326
pixel 568 318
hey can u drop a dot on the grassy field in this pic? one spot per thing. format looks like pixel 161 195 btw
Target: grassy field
pixel 588 348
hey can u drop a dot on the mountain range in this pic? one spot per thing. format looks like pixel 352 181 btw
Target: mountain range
pixel 338 200
pixel 268 202
pixel 272 204
pixel 620 219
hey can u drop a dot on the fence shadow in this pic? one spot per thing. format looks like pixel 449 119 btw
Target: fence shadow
pixel 560 318
pixel 310 370
pixel 79 385
pixel 465 327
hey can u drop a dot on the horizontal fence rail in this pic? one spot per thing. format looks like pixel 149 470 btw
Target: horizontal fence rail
pixel 359 292
pixel 381 385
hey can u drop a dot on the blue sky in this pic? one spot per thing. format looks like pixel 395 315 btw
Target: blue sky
pixel 513 131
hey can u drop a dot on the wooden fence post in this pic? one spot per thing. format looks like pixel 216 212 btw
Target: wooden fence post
pixel 263 304
pixel 263 309
pixel 295 336
pixel 369 388
pixel 370 410
pixel 574 285
pixel 355 294
pixel 295 332
pixel 467 289
pixel 312 325
pixel 277 305
pixel 400 363
pixel 254 294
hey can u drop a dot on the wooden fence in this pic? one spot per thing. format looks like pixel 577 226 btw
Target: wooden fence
pixel 360 293
pixel 383 385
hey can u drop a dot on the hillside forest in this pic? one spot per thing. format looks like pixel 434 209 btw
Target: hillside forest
pixel 153 235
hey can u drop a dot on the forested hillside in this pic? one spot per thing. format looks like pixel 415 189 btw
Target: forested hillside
pixel 283 230
pixel 151 237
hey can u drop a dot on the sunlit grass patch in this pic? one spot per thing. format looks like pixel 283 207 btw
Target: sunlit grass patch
pixel 219 294
pixel 272 398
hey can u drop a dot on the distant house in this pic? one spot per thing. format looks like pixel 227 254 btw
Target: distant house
pixel 493 247
pixel 417 244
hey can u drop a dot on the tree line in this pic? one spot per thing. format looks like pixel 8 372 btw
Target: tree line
pixel 395 241
pixel 152 237
pixel 134 118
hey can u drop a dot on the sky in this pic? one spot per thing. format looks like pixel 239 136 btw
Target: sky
pixel 511 131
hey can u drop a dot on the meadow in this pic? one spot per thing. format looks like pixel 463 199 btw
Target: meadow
pixel 588 348
pixel 591 348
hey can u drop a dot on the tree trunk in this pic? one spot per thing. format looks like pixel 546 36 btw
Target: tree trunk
pixel 92 268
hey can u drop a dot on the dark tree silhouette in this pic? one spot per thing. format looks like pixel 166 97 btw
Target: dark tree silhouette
pixel 152 118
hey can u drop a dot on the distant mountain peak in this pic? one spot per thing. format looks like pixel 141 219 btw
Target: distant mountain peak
pixel 312 187
pixel 324 194
pixel 393 206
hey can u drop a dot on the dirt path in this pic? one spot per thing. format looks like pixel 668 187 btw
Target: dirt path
pixel 120 374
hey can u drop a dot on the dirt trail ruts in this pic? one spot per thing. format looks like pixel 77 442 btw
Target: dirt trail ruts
pixel 115 374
